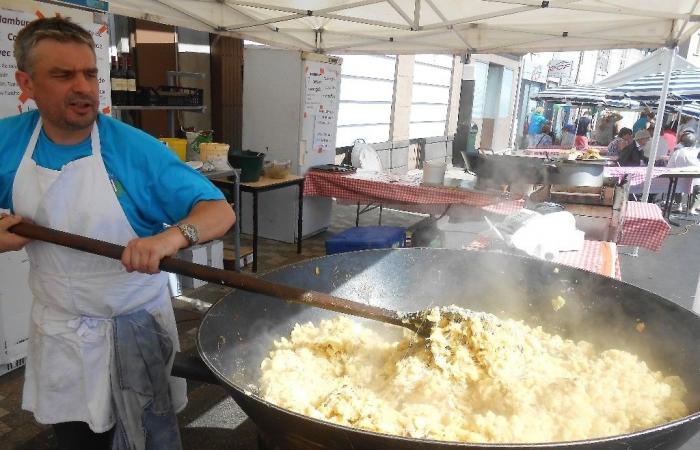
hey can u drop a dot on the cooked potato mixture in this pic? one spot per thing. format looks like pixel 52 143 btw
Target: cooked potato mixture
pixel 476 379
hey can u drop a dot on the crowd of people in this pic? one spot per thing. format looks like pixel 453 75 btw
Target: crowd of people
pixel 676 147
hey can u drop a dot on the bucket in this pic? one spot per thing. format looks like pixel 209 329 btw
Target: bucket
pixel 177 145
pixel 434 172
pixel 194 139
pixel 216 153
pixel 250 163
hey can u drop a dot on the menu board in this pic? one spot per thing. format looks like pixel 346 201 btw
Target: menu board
pixel 12 101
pixel 322 82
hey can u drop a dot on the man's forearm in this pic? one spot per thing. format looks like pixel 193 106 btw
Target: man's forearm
pixel 211 218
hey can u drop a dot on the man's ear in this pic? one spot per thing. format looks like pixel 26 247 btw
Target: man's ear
pixel 25 83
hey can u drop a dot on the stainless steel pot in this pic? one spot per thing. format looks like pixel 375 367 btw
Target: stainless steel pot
pixel 576 173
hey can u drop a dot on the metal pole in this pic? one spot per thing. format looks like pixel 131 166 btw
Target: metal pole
pixel 657 129
pixel 515 126
pixel 678 121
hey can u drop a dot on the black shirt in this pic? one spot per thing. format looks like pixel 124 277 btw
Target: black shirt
pixel 583 124
pixel 632 155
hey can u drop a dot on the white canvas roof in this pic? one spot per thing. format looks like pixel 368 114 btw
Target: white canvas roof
pixel 652 64
pixel 431 26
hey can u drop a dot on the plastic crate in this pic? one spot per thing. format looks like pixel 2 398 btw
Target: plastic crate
pixel 170 96
pixel 365 238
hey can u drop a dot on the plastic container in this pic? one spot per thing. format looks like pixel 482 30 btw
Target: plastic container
pixel 250 163
pixel 366 238
pixel 216 153
pixel 177 145
pixel 434 172
pixel 277 169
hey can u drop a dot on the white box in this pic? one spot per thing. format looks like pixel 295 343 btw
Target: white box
pixel 15 307
pixel 196 254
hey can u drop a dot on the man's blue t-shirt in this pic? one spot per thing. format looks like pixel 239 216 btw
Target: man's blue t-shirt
pixel 152 185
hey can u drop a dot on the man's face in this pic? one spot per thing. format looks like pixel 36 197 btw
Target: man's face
pixel 642 141
pixel 63 83
pixel 627 139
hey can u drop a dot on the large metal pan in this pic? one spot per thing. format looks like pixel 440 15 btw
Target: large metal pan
pixel 237 333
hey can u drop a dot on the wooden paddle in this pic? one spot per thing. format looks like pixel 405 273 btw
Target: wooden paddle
pixel 415 321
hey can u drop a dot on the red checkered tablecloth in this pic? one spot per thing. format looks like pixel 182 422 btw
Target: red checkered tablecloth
pixel 644 226
pixel 386 188
pixel 637 175
pixel 596 256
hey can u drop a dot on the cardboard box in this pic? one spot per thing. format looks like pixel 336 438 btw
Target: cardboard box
pixel 15 307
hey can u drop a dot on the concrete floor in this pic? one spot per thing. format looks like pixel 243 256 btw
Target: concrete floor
pixel 213 421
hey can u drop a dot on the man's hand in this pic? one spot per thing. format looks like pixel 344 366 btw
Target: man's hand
pixel 144 254
pixel 10 241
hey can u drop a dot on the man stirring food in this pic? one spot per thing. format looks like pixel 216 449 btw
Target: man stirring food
pixel 102 332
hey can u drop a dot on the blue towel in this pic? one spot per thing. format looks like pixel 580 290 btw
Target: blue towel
pixel 145 419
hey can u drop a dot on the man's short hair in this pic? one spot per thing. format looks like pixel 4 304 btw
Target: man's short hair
pixel 57 28
pixel 624 132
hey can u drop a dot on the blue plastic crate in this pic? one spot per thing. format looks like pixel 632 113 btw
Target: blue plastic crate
pixel 365 238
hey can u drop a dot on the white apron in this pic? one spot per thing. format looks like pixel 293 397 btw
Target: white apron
pixel 76 293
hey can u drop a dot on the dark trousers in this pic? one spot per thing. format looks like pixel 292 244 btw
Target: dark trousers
pixel 79 436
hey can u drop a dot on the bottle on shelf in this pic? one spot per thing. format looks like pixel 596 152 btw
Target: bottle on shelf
pixel 121 92
pixel 130 81
pixel 113 80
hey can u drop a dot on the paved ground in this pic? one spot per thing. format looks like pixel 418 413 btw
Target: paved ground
pixel 212 421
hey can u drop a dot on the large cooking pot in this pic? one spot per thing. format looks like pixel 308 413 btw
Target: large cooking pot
pixel 576 173
pixel 493 171
pixel 237 333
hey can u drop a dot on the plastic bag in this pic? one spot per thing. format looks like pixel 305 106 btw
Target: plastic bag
pixel 365 157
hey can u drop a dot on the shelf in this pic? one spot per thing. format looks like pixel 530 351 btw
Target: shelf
pixel 158 108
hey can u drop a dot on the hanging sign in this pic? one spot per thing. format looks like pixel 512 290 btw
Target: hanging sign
pixel 559 68
pixel 12 100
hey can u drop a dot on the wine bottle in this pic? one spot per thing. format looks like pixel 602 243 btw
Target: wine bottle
pixel 114 68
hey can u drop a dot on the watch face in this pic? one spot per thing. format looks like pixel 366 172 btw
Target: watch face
pixel 190 233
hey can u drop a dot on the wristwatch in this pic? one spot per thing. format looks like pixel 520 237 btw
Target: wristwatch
pixel 190 232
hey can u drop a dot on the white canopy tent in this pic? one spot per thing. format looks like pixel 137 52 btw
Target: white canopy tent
pixel 438 26
pixel 654 63
pixel 431 26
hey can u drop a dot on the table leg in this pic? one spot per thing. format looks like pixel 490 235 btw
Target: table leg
pixel 301 215
pixel 669 199
pixel 673 194
pixel 255 231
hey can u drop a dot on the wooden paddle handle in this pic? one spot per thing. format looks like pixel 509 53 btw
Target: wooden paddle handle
pixel 212 275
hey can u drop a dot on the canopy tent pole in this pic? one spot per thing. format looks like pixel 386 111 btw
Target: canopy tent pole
pixel 513 144
pixel 678 119
pixel 657 129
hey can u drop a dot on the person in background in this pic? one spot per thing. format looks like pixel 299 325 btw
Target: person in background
pixel 568 135
pixel 688 124
pixel 544 139
pixel 582 130
pixel 623 139
pixel 669 134
pixel 642 123
pixel 605 127
pixel 537 119
pixel 686 155
pixel 102 334
pixel 662 149
pixel 633 154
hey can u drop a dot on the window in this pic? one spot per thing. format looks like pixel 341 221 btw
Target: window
pixel 432 77
pixel 481 74
pixel 366 93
